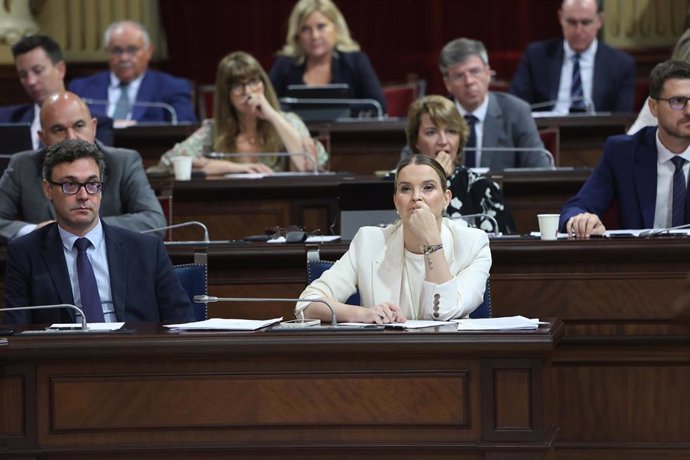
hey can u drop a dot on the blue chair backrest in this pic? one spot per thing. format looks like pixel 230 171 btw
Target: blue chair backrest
pixel 315 269
pixel 193 278
pixel 484 309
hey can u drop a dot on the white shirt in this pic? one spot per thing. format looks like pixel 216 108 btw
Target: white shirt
pixel 480 113
pixel 98 257
pixel 114 91
pixel 586 75
pixel 35 127
pixel 663 210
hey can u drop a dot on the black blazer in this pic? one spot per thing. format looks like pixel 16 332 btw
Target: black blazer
pixel 142 281
pixel 539 75
pixel 352 68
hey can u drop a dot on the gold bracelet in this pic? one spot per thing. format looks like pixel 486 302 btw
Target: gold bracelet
pixel 426 250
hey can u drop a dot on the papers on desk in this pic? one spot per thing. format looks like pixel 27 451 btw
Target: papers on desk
pixel 409 324
pixel 310 239
pixel 220 324
pixel 513 323
pixel 276 174
pixel 631 233
pixel 91 326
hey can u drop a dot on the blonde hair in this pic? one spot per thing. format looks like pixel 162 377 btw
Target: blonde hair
pixel 442 112
pixel 300 12
pixel 681 51
pixel 235 68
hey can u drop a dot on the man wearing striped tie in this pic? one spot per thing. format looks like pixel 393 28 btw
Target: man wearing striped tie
pixel 644 175
pixel 576 72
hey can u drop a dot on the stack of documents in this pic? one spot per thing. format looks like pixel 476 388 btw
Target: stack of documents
pixel 499 324
pixel 219 324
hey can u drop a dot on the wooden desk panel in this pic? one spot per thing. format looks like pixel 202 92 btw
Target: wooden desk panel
pixel 431 393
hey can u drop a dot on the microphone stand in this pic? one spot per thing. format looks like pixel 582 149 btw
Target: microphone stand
pixel 335 102
pixel 160 105
pixel 181 224
pixel 515 149
pixel 334 322
pixel 222 155
pixel 84 327
pixel 589 104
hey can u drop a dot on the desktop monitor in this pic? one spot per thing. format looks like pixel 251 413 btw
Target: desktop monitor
pixel 16 137
pixel 365 203
pixel 318 103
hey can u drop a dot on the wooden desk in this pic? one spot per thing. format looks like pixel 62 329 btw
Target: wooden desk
pixel 365 146
pixel 623 366
pixel 431 393
pixel 235 208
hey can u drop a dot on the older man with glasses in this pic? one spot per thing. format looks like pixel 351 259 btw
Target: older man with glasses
pixel 130 91
pixel 577 72
pixel 645 174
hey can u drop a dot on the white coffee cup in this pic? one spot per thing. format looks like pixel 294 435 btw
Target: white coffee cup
pixel 182 166
pixel 548 226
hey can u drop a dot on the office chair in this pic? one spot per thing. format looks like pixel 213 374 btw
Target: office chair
pixel 484 309
pixel 194 280
pixel 316 267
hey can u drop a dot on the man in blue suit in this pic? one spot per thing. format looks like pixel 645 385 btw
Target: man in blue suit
pixel 129 91
pixel 132 273
pixel 545 74
pixel 41 71
pixel 645 174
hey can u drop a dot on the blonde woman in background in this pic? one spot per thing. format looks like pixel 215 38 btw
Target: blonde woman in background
pixel 319 50
pixel 247 120
pixel 681 52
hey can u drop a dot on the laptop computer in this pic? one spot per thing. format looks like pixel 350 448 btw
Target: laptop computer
pixel 365 203
pixel 318 103
pixel 14 137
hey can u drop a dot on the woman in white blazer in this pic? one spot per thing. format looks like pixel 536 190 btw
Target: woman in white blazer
pixel 424 266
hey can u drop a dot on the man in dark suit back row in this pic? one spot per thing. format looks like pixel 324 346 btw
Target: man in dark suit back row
pixel 569 73
pixel 41 71
pixel 129 275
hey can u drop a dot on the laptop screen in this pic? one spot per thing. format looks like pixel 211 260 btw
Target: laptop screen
pixel 318 103
pixel 365 203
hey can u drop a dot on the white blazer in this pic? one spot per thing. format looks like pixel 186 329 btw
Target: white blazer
pixel 373 264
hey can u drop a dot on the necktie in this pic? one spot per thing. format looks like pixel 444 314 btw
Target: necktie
pixel 679 192
pixel 577 103
pixel 470 157
pixel 122 106
pixel 90 300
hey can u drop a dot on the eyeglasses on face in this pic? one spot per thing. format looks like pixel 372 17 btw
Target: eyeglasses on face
pixel 675 102
pixel 474 72
pixel 72 188
pixel 240 87
pixel 118 51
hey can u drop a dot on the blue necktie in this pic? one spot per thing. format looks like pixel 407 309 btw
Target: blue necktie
pixel 122 106
pixel 679 193
pixel 577 103
pixel 470 157
pixel 90 300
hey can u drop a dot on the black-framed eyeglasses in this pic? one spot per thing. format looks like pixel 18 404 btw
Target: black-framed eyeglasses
pixel 675 102
pixel 240 88
pixel 72 188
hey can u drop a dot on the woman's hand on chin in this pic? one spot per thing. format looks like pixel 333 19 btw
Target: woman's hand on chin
pixel 260 107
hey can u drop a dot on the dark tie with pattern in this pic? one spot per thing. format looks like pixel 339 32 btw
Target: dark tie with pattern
pixel 679 192
pixel 471 155
pixel 122 106
pixel 90 300
pixel 577 103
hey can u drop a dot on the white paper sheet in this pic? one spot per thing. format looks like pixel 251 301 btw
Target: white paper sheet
pixel 409 324
pixel 91 326
pixel 498 324
pixel 220 324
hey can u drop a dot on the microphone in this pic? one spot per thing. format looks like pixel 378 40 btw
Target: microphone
pixel 84 327
pixel 515 149
pixel 335 101
pixel 181 224
pixel 660 231
pixel 160 105
pixel 334 322
pixel 222 155
pixel 589 103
